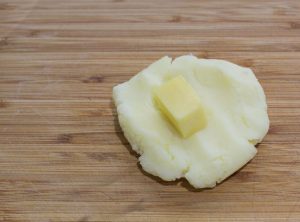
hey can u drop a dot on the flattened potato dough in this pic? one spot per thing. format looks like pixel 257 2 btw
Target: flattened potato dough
pixel 234 105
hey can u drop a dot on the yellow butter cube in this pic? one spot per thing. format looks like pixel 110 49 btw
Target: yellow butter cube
pixel 181 105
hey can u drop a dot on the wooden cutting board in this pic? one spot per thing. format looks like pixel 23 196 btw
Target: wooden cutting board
pixel 63 156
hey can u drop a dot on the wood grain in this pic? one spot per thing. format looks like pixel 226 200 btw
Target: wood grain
pixel 62 154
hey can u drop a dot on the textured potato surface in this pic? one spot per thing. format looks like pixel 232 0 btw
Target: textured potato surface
pixel 235 109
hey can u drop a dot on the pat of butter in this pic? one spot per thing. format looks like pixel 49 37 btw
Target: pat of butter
pixel 180 104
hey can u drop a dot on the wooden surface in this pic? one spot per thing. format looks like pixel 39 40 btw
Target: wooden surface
pixel 62 154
